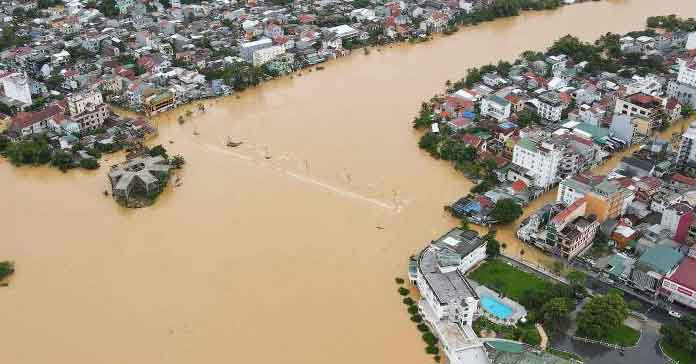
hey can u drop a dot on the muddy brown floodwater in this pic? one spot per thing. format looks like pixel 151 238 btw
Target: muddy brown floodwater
pixel 263 260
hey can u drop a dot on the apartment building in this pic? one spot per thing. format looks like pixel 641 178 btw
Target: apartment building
pixel 539 159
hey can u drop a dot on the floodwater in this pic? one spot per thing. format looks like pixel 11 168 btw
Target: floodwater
pixel 283 260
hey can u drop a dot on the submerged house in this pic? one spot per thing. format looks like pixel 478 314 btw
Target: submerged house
pixel 134 183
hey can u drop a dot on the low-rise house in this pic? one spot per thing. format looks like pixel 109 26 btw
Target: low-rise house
pixel 657 262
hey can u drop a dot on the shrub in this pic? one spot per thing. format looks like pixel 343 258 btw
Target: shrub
pixel 417 318
pixel 89 163
pixel 423 328
pixel 399 280
pixel 6 269
pixel 432 350
pixel 409 301
pixel 413 309
pixel 404 291
pixel 429 338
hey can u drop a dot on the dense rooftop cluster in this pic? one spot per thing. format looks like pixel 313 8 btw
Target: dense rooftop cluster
pixel 152 56
pixel 521 128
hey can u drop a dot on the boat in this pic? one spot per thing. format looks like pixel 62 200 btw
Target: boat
pixel 232 144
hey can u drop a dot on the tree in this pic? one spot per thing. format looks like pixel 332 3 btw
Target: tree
pixel 577 281
pixel 108 8
pixel 62 160
pixel 557 267
pixel 178 161
pixel 89 163
pixel 430 142
pixel 506 211
pixel 492 248
pixel 159 150
pixel 601 316
pixel 6 269
pixel 556 311
pixel 687 110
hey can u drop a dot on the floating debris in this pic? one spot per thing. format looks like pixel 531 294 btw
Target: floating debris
pixel 195 132
pixel 380 227
pixel 106 193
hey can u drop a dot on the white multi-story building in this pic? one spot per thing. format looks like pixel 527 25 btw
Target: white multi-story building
pixel 265 55
pixel 16 86
pixel 78 103
pixel 247 49
pixel 687 72
pixel 449 303
pixel 88 110
pixel 550 106
pixel 687 146
pixel 540 159
pixel 496 107
pixel 684 88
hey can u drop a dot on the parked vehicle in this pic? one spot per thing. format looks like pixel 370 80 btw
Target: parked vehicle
pixel 674 314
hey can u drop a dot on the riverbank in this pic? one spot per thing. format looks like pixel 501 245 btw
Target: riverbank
pixel 254 229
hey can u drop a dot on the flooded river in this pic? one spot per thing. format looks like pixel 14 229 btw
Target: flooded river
pixel 261 260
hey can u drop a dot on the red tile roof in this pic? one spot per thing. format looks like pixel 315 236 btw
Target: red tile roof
pixel 471 140
pixel 519 186
pixel 685 274
pixel 561 216
pixel 25 119
pixel 684 179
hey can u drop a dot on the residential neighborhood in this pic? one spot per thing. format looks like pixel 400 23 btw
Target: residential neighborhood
pixel 601 133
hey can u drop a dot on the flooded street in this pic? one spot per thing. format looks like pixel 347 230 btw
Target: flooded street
pixel 262 260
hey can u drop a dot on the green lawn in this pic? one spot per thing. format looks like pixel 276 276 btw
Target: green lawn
pixel 508 280
pixel 678 354
pixel 624 336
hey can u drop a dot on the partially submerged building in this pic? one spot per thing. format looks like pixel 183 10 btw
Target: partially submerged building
pixel 136 182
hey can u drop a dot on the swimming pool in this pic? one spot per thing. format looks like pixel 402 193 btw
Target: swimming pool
pixel 495 307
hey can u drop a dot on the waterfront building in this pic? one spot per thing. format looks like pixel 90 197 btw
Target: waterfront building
pixel 449 302
pixel 159 101
pixel 265 55
pixel 246 50
pixel 138 179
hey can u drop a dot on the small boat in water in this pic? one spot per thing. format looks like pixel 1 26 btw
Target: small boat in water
pixel 233 144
